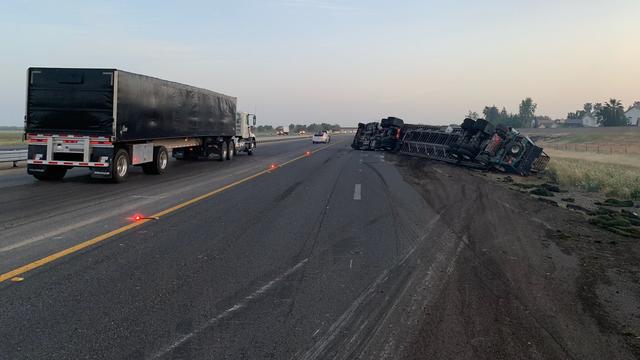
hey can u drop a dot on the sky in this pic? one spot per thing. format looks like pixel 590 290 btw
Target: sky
pixel 304 61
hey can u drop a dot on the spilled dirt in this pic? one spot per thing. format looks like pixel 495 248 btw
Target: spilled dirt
pixel 532 281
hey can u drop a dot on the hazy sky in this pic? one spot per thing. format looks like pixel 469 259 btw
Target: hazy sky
pixel 306 61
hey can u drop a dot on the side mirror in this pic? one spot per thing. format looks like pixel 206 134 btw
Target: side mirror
pixel 254 120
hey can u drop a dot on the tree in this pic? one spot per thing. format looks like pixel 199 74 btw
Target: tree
pixel 527 112
pixel 491 114
pixel 588 108
pixel 612 114
pixel 473 115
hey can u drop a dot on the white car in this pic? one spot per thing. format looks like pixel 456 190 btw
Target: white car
pixel 321 137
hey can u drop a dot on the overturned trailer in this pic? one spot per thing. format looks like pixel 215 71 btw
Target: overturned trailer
pixel 476 143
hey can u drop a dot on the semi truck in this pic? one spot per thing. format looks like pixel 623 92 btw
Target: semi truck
pixel 108 120
pixel 283 130
pixel 475 143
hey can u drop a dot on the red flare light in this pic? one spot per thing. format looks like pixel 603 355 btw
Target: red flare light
pixel 136 217
pixel 273 166
pixel 307 153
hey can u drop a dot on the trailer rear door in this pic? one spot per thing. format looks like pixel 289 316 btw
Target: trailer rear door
pixel 70 101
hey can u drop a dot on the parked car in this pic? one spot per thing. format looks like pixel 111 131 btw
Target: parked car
pixel 321 137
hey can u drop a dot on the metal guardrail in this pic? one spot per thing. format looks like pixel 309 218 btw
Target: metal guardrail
pixel 13 156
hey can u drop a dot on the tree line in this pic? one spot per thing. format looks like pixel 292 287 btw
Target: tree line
pixel 610 113
pixel 526 116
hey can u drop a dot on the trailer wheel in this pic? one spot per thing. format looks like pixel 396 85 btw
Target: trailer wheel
pixel 120 166
pixel 222 151
pixel 159 163
pixel 51 173
pixel 231 150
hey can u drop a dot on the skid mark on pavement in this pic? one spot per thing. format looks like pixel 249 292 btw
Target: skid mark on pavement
pixel 318 350
pixel 230 311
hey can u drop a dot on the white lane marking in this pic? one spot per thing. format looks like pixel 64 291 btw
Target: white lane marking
pixel 438 170
pixel 242 304
pixel 357 192
pixel 350 263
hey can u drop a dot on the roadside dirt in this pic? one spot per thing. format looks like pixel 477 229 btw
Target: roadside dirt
pixel 531 281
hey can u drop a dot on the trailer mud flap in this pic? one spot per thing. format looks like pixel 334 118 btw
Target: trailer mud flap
pixel 101 173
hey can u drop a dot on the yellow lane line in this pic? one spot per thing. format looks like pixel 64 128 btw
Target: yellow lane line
pixel 55 256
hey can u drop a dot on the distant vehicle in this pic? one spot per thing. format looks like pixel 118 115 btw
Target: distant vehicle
pixel 108 120
pixel 281 130
pixel 321 137
pixel 301 132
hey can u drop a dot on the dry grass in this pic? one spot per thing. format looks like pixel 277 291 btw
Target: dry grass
pixel 11 138
pixel 629 160
pixel 614 175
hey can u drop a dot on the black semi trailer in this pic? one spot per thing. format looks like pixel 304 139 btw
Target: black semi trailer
pixel 108 120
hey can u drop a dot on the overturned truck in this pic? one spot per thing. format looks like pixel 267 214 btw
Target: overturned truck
pixel 475 143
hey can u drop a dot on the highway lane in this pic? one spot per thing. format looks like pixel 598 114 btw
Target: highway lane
pixel 301 262
pixel 38 218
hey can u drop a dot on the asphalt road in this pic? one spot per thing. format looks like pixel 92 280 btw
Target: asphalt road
pixel 338 254
pixel 274 267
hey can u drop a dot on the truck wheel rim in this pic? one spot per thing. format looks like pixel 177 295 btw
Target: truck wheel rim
pixel 163 160
pixel 121 166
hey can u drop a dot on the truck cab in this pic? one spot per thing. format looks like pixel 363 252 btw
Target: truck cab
pixel 245 123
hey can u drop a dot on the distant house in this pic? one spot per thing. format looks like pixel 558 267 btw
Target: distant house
pixel 550 124
pixel 586 120
pixel 633 114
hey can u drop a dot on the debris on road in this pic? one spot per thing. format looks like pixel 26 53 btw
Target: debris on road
pixel 475 143
pixel 581 278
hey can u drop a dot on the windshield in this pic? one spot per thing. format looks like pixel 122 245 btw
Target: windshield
pixel 320 179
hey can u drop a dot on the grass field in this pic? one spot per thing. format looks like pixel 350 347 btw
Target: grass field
pixel 11 137
pixel 603 160
pixel 619 140
pixel 614 175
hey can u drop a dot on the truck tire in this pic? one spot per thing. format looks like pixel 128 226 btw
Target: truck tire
pixel 120 166
pixel 159 163
pixel 51 173
pixel 222 151
pixel 253 146
pixel 231 150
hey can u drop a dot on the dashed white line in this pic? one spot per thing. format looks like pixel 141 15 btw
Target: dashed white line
pixel 357 192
